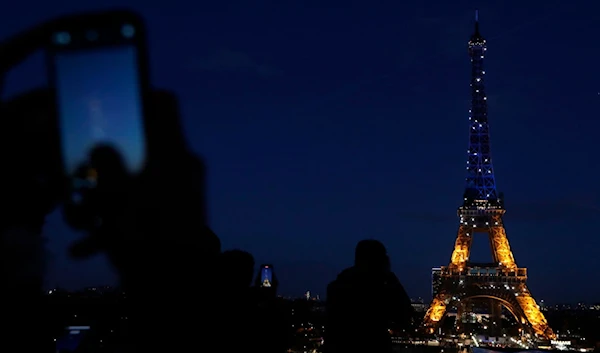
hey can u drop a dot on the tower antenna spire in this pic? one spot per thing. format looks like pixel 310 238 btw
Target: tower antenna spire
pixel 476 16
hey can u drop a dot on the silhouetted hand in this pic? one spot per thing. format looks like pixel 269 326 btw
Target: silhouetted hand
pixel 152 226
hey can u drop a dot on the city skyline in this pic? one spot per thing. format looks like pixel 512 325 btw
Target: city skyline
pixel 333 129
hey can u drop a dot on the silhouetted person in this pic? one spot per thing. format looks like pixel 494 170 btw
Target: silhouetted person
pixel 153 227
pixel 273 320
pixel 155 235
pixel 251 314
pixel 237 307
pixel 30 189
pixel 154 232
pixel 236 270
pixel 364 302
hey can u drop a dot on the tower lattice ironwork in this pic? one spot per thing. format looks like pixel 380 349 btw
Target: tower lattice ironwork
pixel 502 282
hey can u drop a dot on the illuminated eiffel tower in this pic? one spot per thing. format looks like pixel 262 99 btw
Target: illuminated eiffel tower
pixel 502 282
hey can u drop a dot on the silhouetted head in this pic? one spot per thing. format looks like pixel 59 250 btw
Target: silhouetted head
pixel 371 254
pixel 212 243
pixel 236 269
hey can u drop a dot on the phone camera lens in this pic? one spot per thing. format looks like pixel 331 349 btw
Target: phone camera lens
pixel 62 38
pixel 91 36
pixel 128 31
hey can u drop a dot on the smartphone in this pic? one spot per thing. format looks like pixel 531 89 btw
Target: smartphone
pixel 98 69
pixel 266 276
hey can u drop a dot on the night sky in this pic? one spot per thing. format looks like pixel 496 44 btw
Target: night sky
pixel 323 125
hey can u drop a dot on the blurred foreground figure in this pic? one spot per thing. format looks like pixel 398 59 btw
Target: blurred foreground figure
pixel 153 226
pixel 153 230
pixel 364 302
pixel 31 188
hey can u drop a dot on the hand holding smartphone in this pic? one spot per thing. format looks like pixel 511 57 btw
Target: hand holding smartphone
pixel 99 71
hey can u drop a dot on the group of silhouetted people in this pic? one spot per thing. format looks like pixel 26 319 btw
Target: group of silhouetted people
pixel 364 304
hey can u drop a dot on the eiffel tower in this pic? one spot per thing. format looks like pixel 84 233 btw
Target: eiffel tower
pixel 500 283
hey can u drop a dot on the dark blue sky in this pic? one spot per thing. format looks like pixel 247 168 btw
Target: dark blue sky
pixel 325 124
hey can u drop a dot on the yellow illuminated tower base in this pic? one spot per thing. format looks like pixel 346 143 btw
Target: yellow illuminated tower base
pixel 501 283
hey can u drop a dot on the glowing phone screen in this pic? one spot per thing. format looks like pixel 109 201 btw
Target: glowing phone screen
pixel 266 276
pixel 100 102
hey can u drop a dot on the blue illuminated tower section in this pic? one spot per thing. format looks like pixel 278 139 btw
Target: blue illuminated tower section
pixel 480 182
pixel 482 208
